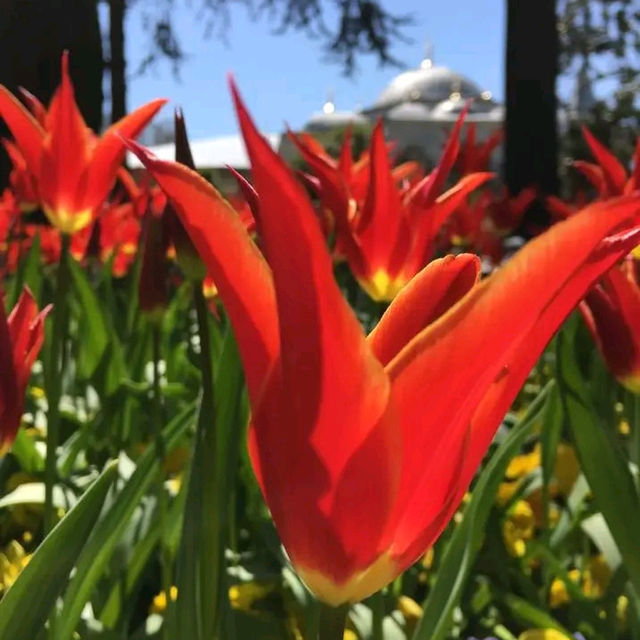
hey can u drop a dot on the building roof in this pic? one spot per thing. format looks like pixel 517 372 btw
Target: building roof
pixel 427 84
pixel 210 153
pixel 328 121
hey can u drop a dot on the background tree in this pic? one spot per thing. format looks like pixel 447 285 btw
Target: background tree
pixel 344 29
pixel 600 45
pixel 33 34
pixel 531 143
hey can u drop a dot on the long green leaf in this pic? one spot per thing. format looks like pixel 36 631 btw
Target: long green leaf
pixel 94 335
pixel 124 589
pixel 29 273
pixel 25 607
pixel 108 531
pixel 200 573
pixel 602 462
pixel 466 541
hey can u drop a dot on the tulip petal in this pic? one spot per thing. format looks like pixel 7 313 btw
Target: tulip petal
pixel 634 181
pixel 488 342
pixel 450 200
pixel 615 174
pixel 109 152
pixel 345 160
pixel 239 271
pixel 422 301
pixel 328 418
pixel 9 392
pixel 428 189
pixel 382 227
pixel 594 175
pixel 38 110
pixel 334 193
pixel 27 334
pixel 428 222
pixel 28 134
pixel 613 318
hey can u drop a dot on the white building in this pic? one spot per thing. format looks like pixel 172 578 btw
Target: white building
pixel 418 108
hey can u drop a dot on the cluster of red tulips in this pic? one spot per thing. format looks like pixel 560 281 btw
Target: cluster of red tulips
pixel 363 445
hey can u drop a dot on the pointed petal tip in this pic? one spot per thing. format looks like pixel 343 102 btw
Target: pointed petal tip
pixel 142 153
pixel 64 63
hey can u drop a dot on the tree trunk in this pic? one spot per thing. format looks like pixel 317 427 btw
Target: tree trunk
pixel 117 10
pixel 531 145
pixel 33 34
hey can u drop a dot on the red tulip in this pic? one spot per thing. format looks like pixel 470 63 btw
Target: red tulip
pixel 73 170
pixel 608 176
pixel 392 236
pixel 364 446
pixel 475 156
pixel 611 311
pixel 21 180
pixel 21 336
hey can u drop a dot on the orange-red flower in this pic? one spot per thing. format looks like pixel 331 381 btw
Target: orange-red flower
pixel 392 236
pixel 607 175
pixel 364 445
pixel 611 311
pixel 21 336
pixel 73 170
pixel 474 156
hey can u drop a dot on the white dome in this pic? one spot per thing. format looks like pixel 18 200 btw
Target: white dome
pixel 414 111
pixel 426 84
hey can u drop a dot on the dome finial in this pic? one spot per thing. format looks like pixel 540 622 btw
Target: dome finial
pixel 329 106
pixel 427 61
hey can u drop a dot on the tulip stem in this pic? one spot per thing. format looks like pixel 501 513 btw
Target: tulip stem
pixel 165 557
pixel 332 621
pixel 54 380
pixel 377 608
pixel 53 383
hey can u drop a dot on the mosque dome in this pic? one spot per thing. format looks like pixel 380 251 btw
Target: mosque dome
pixel 428 84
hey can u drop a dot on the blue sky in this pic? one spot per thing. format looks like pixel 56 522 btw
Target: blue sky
pixel 285 78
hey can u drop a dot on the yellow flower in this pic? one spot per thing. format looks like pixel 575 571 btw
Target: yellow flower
pixel 411 611
pixel 12 561
pixel 242 596
pixel 621 610
pixel 624 428
pixel 159 604
pixel 593 581
pixel 567 468
pixel 558 594
pixel 349 635
pixel 37 393
pixel 506 491
pixel 543 634
pixel 518 528
pixel 409 608
pixel 427 558
pixel 596 577
pixel 523 465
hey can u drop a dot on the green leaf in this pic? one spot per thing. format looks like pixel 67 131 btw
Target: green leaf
pixel 123 589
pixel 531 616
pixel 602 462
pixel 110 528
pixel 26 452
pixel 93 338
pixel 25 607
pixel 466 540
pixel 200 575
pixel 29 273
